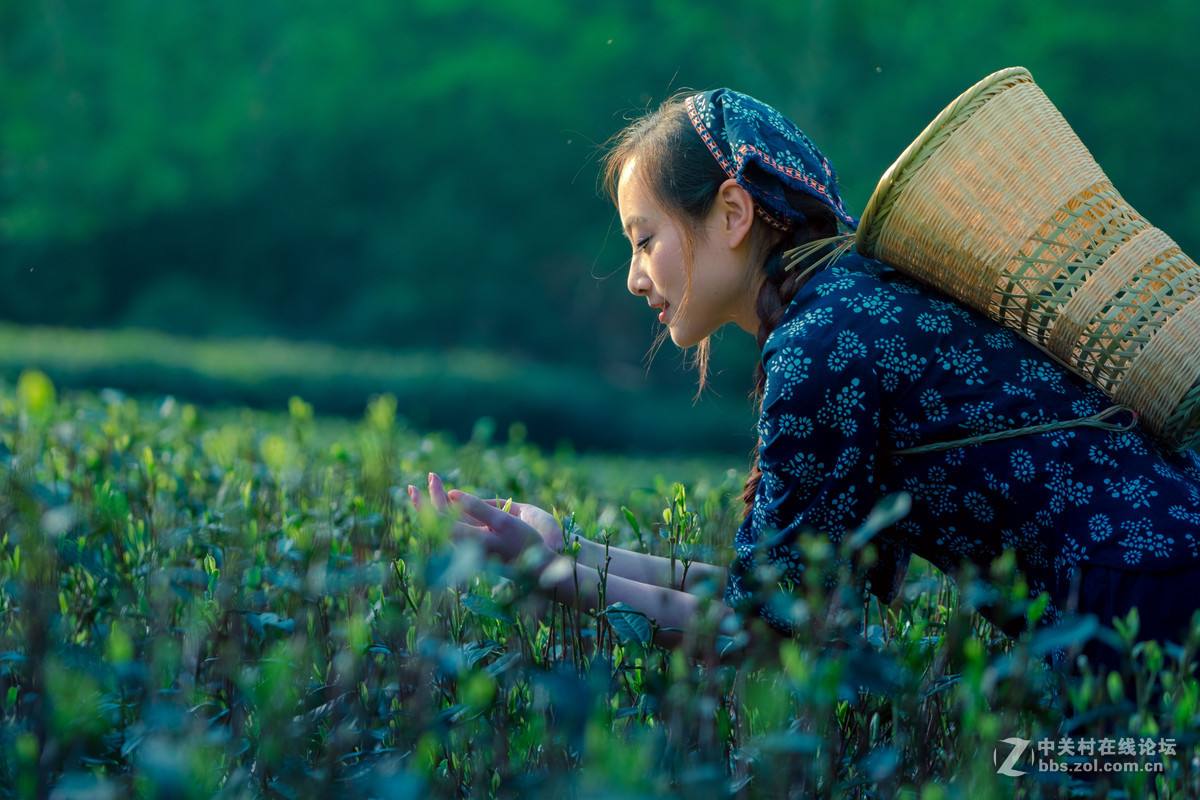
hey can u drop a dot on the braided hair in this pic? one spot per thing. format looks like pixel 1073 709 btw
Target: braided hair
pixel 683 177
pixel 774 296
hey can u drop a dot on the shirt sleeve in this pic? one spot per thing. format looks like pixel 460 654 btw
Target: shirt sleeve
pixel 819 432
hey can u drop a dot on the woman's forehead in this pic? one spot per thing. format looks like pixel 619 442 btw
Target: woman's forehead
pixel 629 184
pixel 630 207
pixel 633 201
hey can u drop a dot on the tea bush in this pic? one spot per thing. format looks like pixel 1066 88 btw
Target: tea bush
pixel 244 604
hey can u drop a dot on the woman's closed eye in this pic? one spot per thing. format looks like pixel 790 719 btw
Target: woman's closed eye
pixel 642 243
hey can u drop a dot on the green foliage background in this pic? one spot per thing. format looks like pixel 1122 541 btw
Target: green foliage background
pixel 392 206
pixel 421 175
pixel 241 604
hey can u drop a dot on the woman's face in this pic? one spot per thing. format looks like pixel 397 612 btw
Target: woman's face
pixel 723 284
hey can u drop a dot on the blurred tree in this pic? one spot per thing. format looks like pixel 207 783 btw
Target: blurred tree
pixel 423 174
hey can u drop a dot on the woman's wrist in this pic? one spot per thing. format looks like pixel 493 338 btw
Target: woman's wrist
pixel 556 575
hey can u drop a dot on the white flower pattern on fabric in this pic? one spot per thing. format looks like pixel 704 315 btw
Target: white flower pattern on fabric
pixel 934 405
pixel 816 449
pixel 879 304
pixel 788 371
pixel 849 347
pixel 865 361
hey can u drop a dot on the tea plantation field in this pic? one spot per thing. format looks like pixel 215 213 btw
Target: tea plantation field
pixel 200 603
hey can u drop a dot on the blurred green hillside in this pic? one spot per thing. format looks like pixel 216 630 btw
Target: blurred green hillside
pixel 563 406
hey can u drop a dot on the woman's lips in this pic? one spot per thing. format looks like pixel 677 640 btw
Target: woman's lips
pixel 662 315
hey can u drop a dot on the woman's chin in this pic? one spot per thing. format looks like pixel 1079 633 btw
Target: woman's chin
pixel 681 338
pixel 689 335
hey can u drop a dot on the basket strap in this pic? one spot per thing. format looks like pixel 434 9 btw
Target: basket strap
pixel 1094 421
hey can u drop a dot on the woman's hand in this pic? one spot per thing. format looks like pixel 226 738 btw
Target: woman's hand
pixel 507 534
pixel 541 521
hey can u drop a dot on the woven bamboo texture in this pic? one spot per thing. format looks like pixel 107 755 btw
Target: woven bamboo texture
pixel 999 204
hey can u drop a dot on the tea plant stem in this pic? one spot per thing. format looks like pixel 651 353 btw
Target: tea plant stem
pixel 649 569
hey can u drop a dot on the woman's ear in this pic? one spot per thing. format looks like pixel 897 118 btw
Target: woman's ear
pixel 736 209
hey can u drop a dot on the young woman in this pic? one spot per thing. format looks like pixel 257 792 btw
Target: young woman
pixel 869 383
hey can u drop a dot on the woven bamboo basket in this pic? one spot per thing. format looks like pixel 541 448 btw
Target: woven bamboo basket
pixel 999 204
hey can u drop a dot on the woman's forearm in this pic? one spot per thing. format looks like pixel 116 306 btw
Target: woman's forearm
pixel 647 569
pixel 578 584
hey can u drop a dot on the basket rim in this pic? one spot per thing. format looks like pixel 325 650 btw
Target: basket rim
pixel 866 234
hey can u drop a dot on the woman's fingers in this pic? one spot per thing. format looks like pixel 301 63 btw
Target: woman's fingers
pixel 441 501
pixel 414 495
pixel 514 507
pixel 488 514
pixel 461 532
pixel 437 492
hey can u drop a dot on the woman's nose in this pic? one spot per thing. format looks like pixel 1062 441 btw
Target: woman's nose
pixel 638 282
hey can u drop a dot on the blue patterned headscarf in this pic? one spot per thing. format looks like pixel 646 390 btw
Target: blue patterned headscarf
pixel 766 154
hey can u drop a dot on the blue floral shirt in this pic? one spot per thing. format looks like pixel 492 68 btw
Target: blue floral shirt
pixel 866 360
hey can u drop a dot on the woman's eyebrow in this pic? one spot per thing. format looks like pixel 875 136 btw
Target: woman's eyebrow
pixel 631 222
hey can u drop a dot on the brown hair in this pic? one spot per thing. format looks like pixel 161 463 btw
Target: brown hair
pixel 682 177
